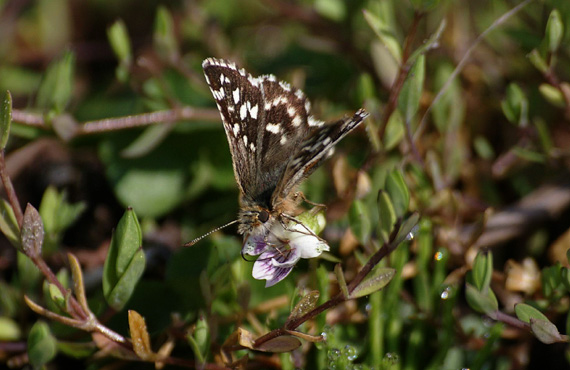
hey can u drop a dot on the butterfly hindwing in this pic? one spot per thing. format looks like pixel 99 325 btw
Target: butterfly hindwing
pixel 314 150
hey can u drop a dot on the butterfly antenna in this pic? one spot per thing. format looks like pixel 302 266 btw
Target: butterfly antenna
pixel 191 243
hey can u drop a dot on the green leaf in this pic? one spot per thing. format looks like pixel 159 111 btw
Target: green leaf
pixel 483 148
pixel 407 229
pixel 9 329
pixel 385 35
pixel 164 35
pixel 526 312
pixel 42 346
pixel 387 215
pixel 202 335
pixel 120 42
pixel 341 280
pixel 554 30
pixel 125 261
pixel 551 280
pixel 529 155
pixel 380 277
pixel 314 219
pixel 538 61
pixel 5 120
pixel 56 296
pixel 55 301
pixel 9 224
pixel 28 273
pixel 482 271
pixel 395 131
pixel 481 302
pixel 552 94
pixel 32 235
pixel 332 9
pixel 398 191
pixel 449 111
pixel 409 99
pixel 56 88
pixel 359 219
pixel 57 215
pixel 515 105
pixel 305 305
pixel 546 332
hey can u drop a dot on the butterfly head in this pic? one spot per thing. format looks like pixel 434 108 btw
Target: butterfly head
pixel 254 220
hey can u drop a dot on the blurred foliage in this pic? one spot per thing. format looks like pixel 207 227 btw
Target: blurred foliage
pixel 111 132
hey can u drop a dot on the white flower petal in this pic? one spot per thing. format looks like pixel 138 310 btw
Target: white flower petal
pixel 309 246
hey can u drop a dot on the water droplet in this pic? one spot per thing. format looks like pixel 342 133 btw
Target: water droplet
pixel 368 307
pixel 412 234
pixel 324 335
pixel 391 358
pixel 350 353
pixel 438 256
pixel 446 293
pixel 334 354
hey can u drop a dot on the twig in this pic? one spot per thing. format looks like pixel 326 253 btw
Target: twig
pixel 118 123
pixel 10 192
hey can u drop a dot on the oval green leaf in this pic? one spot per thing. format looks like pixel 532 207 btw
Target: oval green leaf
pixel 42 346
pixel 125 261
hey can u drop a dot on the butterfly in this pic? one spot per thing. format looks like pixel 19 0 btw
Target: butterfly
pixel 274 142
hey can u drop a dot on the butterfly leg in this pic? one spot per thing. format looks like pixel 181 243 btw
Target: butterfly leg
pixel 307 231
pixel 299 197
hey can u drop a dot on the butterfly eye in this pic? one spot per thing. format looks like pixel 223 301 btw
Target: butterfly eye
pixel 263 216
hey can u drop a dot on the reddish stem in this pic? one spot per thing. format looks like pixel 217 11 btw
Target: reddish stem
pixel 10 192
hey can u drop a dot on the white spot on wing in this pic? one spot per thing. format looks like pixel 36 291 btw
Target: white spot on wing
pixel 274 128
pixel 245 140
pixel 253 112
pixel 327 141
pixel 285 86
pixel 252 147
pixel 283 139
pixel 236 129
pixel 291 111
pixel 243 111
pixel 236 95
pixel 315 123
pixel 297 121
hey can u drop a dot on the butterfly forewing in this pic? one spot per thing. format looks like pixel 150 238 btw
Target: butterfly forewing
pixel 232 89
pixel 265 122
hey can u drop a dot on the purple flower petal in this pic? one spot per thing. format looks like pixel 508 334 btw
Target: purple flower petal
pixel 274 265
pixel 254 245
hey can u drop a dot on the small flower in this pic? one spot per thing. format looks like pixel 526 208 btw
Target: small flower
pixel 280 249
